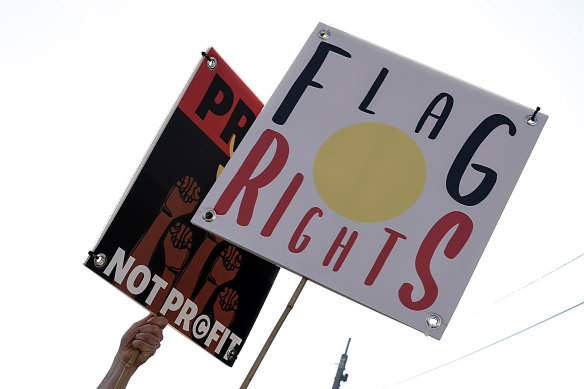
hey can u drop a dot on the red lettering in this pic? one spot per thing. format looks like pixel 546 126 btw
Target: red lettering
pixel 464 227
pixel 345 249
pixel 243 181
pixel 383 254
pixel 282 205
pixel 293 245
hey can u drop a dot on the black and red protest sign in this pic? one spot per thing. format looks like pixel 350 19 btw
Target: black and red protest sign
pixel 208 289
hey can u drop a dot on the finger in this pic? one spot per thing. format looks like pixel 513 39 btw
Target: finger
pixel 233 300
pixel 175 229
pixel 142 321
pixel 148 338
pixel 145 347
pixel 150 329
pixel 184 235
pixel 188 189
pixel 159 321
pixel 231 296
pixel 133 330
pixel 229 299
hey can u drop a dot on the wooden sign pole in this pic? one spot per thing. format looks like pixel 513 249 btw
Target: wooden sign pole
pixel 268 343
pixel 125 371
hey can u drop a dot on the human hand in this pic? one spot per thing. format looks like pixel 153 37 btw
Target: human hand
pixel 144 336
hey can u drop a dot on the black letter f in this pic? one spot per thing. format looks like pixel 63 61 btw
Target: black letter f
pixel 304 80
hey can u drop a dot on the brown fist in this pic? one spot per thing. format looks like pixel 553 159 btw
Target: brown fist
pixel 224 310
pixel 178 242
pixel 227 300
pixel 183 197
pixel 226 265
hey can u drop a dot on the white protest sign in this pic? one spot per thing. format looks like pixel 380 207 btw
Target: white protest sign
pixel 374 176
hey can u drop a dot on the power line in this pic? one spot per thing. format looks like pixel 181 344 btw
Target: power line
pixel 540 278
pixel 526 285
pixel 472 314
pixel 485 347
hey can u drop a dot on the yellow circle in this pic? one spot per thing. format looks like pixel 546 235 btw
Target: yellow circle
pixel 369 172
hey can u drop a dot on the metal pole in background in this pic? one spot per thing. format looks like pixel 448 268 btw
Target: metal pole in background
pixel 341 376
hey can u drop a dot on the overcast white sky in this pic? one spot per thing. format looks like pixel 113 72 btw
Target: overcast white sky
pixel 84 87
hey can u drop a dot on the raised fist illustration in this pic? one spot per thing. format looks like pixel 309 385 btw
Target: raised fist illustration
pixel 177 245
pixel 183 197
pixel 192 272
pixel 224 309
pixel 226 265
pixel 178 242
pixel 227 301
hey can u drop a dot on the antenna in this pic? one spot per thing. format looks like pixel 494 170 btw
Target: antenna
pixel 341 376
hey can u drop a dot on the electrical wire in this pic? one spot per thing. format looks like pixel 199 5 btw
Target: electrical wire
pixel 531 283
pixel 540 278
pixel 474 313
pixel 485 347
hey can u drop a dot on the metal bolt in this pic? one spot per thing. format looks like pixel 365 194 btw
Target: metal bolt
pixel 531 120
pixel 231 354
pixel 212 63
pixel 324 34
pixel 100 260
pixel 433 321
pixel 209 215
